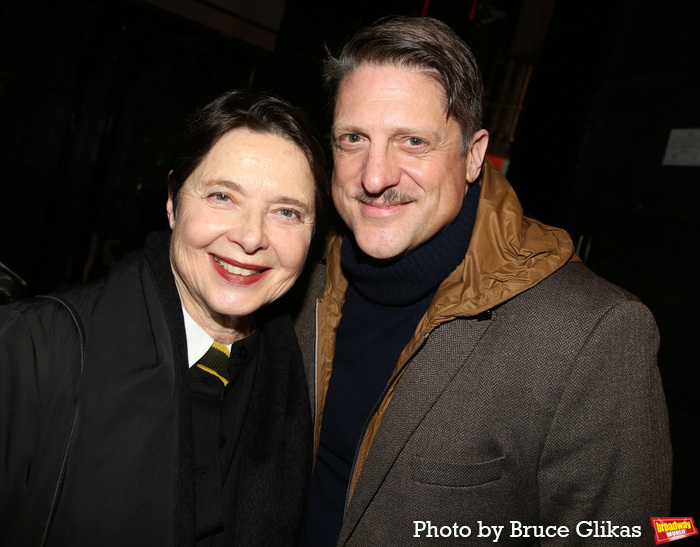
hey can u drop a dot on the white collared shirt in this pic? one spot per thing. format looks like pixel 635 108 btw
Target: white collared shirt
pixel 198 341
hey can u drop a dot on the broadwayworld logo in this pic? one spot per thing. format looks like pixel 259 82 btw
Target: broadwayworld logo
pixel 672 528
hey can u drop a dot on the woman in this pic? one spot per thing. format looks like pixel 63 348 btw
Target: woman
pixel 116 425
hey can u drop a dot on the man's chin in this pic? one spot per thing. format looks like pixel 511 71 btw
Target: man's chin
pixel 387 245
pixel 379 247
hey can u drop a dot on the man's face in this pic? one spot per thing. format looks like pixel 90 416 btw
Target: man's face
pixel 399 176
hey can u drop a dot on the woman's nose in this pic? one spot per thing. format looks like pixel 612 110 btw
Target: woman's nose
pixel 249 232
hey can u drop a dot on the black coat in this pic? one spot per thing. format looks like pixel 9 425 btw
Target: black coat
pixel 127 465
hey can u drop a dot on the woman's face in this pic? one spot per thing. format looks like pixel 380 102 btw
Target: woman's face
pixel 242 227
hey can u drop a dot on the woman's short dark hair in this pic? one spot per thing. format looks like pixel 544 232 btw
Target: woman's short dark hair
pixel 423 44
pixel 256 112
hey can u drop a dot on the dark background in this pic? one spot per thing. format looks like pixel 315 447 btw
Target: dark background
pixel 581 97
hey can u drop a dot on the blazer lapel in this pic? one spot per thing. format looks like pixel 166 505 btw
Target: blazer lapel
pixel 420 386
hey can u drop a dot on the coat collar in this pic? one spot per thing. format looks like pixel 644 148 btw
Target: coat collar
pixel 508 254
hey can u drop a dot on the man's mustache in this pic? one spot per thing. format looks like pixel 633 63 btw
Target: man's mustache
pixel 390 196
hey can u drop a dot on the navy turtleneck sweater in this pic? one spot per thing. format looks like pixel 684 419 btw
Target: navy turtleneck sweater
pixel 383 305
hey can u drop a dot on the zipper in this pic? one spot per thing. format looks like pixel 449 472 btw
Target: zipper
pixel 315 409
pixel 391 382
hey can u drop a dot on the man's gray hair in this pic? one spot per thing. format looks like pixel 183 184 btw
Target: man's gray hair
pixel 423 44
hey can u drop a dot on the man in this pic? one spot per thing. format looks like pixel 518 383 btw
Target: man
pixel 470 377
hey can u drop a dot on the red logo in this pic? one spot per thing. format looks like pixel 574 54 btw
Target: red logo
pixel 672 528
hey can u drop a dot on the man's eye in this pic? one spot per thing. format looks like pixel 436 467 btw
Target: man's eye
pixel 348 139
pixel 221 197
pixel 415 141
pixel 290 213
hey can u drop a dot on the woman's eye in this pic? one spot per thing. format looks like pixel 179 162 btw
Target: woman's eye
pixel 221 197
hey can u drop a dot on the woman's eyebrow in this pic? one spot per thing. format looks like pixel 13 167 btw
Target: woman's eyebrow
pixel 238 188
pixel 288 200
pixel 234 186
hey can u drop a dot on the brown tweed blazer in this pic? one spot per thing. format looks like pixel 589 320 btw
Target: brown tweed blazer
pixel 546 410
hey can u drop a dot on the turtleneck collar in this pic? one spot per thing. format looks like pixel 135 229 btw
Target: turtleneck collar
pixel 405 281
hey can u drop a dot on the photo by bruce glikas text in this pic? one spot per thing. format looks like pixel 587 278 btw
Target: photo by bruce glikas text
pixel 516 529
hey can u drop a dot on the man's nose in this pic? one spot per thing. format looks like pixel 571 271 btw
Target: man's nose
pixel 380 171
pixel 249 231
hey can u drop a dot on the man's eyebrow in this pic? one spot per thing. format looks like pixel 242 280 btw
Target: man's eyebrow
pixel 431 134
pixel 341 128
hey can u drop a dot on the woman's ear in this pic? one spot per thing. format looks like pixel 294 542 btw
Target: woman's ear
pixel 169 207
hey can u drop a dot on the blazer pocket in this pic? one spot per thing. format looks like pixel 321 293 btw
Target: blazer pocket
pixel 445 473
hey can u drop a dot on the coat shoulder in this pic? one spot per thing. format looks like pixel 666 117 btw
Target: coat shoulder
pixel 577 291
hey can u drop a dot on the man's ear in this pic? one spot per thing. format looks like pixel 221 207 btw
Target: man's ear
pixel 171 212
pixel 476 154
